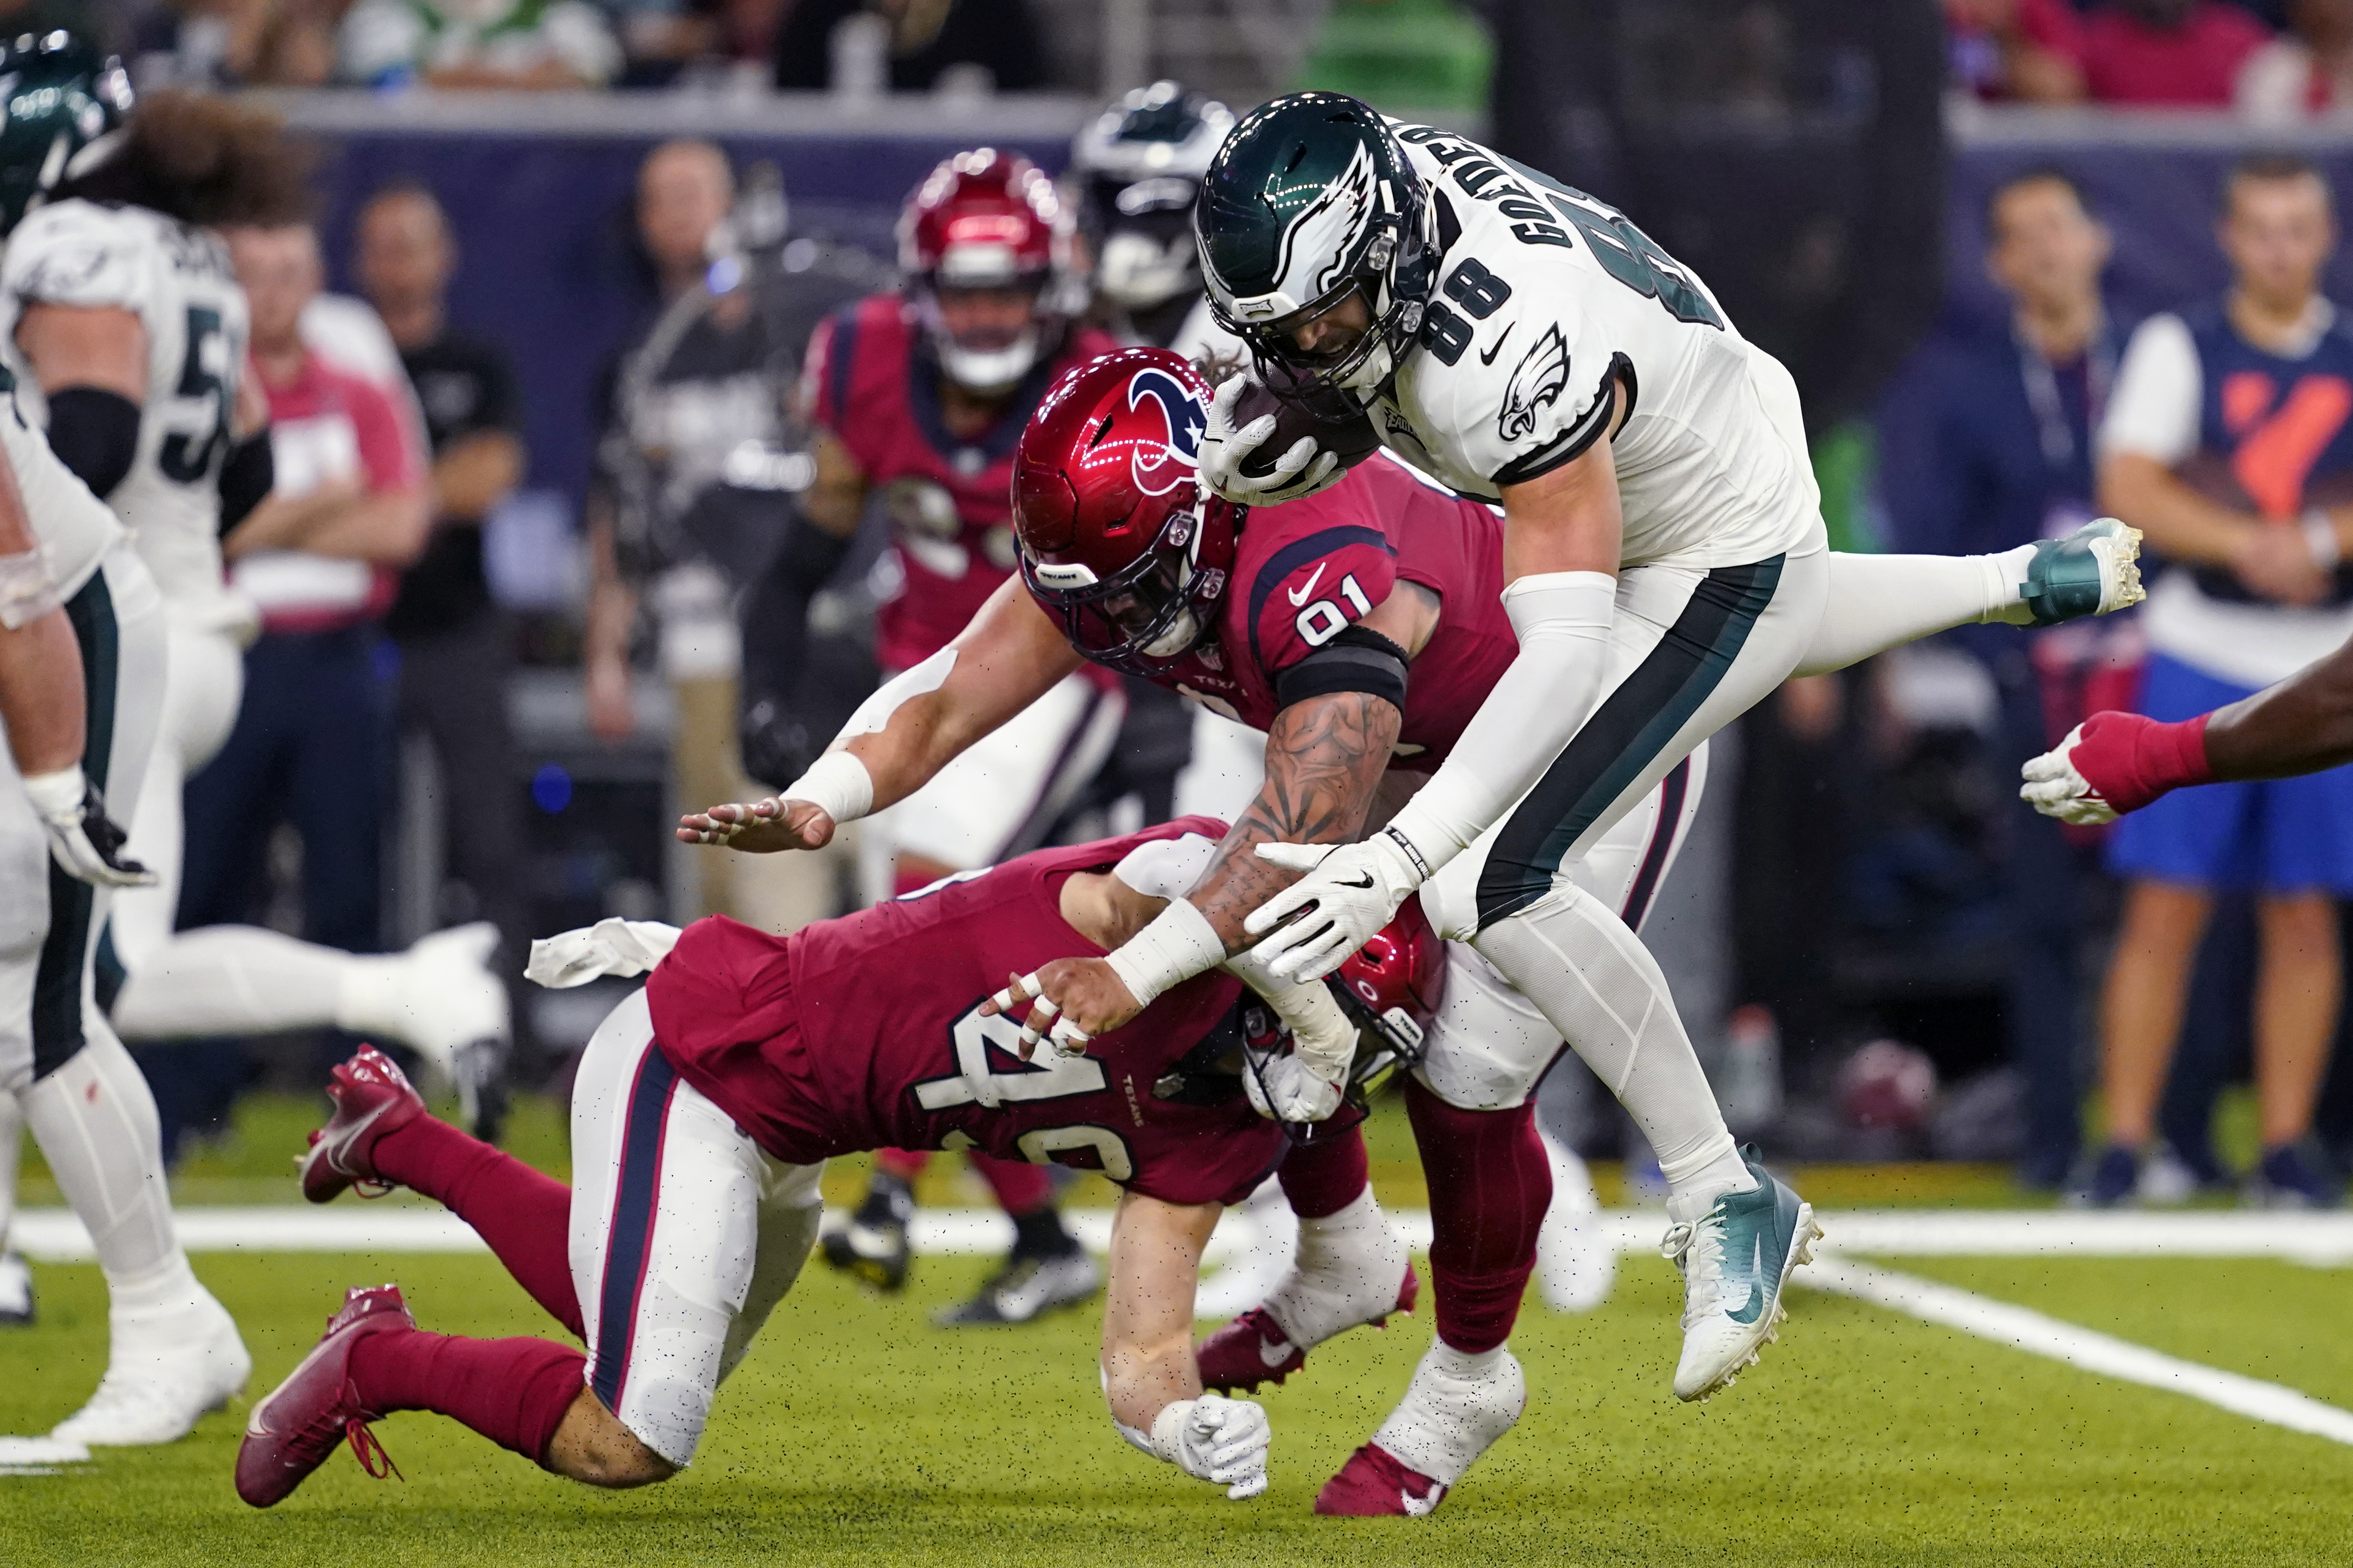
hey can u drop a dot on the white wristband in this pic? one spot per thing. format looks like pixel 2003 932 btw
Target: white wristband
pixel 1179 944
pixel 2320 537
pixel 57 797
pixel 838 784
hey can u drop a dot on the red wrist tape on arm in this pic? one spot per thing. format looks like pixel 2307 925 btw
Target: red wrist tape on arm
pixel 2131 760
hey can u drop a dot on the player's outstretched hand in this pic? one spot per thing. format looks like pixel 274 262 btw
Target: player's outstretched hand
pixel 1302 470
pixel 1350 892
pixel 1070 1001
pixel 2055 788
pixel 1221 1440
pixel 762 828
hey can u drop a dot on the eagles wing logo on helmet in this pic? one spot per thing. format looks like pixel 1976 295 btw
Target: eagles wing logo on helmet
pixel 1326 232
pixel 1538 380
pixel 1157 473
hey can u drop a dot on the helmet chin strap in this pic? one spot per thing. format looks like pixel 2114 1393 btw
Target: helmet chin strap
pixel 986 372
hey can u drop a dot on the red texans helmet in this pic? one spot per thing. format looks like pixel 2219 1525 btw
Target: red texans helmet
pixel 1393 986
pixel 987 220
pixel 1117 540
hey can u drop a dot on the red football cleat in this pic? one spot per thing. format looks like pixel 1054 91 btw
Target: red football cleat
pixel 1254 1348
pixel 1372 1484
pixel 311 1414
pixel 372 1097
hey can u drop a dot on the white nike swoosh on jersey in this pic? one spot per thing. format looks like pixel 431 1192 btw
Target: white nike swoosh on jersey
pixel 1275 1352
pixel 1299 596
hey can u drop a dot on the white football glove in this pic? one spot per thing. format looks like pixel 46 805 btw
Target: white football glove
pixel 1288 1087
pixel 1215 1439
pixel 1300 471
pixel 85 842
pixel 2054 788
pixel 1355 890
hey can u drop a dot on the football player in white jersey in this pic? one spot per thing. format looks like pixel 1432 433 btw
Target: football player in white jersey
pixel 126 334
pixel 175 1352
pixel 1666 567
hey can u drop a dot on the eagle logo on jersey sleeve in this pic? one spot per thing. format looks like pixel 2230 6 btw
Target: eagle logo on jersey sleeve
pixel 1160 467
pixel 1539 379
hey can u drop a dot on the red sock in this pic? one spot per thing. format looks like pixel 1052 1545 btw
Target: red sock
pixel 904 1163
pixel 514 1392
pixel 524 1215
pixel 1322 1177
pixel 1490 1185
pixel 1021 1187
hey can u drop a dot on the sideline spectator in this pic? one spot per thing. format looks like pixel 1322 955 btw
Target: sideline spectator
pixel 2030 51
pixel 927 38
pixel 2009 459
pixel 455 643
pixel 2305 74
pixel 699 454
pixel 2168 53
pixel 311 745
pixel 2228 442
pixel 485 43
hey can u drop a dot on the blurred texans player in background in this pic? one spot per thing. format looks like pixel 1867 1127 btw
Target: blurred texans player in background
pixel 917 398
pixel 705 1111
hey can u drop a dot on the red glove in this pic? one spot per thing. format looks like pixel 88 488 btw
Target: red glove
pixel 2129 761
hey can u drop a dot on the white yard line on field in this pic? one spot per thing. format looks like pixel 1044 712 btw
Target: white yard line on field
pixel 2023 1329
pixel 2324 1240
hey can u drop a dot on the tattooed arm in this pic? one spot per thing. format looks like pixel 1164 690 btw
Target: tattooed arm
pixel 1323 758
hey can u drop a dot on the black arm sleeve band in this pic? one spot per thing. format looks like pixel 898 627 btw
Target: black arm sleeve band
pixel 96 434
pixel 1355 660
pixel 776 616
pixel 248 474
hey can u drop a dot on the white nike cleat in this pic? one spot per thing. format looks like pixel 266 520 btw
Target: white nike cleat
pixel 1576 1256
pixel 1453 1411
pixel 162 1375
pixel 1736 1260
pixel 455 1012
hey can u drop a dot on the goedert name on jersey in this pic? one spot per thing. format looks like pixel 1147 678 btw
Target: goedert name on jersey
pixel 1548 302
pixel 177 281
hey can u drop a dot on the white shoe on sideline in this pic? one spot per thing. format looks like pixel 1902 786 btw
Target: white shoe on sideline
pixel 160 1376
pixel 15 1290
pixel 1576 1256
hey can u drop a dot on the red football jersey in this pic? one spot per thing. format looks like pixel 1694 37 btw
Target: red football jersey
pixel 865 1033
pixel 872 384
pixel 1307 568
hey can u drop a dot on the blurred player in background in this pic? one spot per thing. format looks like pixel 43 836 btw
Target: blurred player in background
pixel 699 459
pixel 2229 441
pixel 127 333
pixel 703 1113
pixel 918 397
pixel 175 1352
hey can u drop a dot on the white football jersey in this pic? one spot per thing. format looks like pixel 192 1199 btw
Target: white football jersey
pixel 1542 295
pixel 177 279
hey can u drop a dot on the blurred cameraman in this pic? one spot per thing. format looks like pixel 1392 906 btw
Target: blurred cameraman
pixel 700 454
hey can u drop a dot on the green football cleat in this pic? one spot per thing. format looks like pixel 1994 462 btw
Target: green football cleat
pixel 2094 571
pixel 1735 1259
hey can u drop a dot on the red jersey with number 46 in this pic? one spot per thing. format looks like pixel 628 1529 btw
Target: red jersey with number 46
pixel 1308 568
pixel 865 1033
pixel 874 384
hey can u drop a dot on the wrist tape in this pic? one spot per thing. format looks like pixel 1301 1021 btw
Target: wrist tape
pixel 1179 944
pixel 57 797
pixel 838 784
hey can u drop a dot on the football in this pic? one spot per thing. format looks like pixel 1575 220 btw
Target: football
pixel 1353 441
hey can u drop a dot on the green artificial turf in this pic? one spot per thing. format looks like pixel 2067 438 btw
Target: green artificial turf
pixel 857 1433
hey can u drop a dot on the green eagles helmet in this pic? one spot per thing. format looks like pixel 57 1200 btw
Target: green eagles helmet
pixel 1311 200
pixel 59 96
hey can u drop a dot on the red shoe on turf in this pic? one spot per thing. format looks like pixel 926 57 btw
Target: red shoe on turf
pixel 311 1414
pixel 372 1097
pixel 1253 1349
pixel 1372 1484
